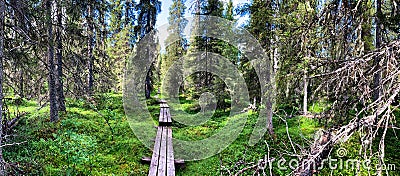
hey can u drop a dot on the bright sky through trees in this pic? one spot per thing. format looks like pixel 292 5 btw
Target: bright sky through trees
pixel 162 18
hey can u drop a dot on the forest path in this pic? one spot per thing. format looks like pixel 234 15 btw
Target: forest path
pixel 162 160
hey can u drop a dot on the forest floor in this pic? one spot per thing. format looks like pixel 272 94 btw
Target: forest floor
pixel 83 143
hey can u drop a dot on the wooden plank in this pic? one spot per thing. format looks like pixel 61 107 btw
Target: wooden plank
pixel 164 105
pixel 147 160
pixel 160 118
pixel 155 158
pixel 170 154
pixel 168 116
pixel 162 164
pixel 165 117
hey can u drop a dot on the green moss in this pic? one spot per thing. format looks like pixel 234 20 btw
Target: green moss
pixel 81 143
pixel 318 107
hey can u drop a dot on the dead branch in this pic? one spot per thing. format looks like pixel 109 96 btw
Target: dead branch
pixel 373 115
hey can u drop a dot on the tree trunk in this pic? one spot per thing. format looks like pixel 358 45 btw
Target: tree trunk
pixel 21 83
pixel 305 92
pixel 2 16
pixel 51 69
pixel 59 79
pixel 148 84
pixel 377 76
pixel 103 19
pixel 378 40
pixel 90 61
pixel 270 125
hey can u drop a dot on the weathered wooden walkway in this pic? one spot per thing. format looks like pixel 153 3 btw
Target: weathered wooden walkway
pixel 162 162
pixel 165 116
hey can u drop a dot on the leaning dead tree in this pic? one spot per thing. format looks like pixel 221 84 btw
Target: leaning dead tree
pixel 353 89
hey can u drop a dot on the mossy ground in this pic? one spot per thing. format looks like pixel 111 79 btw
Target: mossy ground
pixel 82 143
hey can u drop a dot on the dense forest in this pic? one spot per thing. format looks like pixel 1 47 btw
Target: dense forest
pixel 258 87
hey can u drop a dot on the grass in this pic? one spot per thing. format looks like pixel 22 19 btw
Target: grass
pixel 81 143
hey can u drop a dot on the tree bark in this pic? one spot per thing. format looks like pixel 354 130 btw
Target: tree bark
pixel 270 113
pixel 2 17
pixel 305 92
pixel 21 83
pixel 59 79
pixel 51 69
pixel 378 40
pixel 148 84
pixel 377 76
pixel 90 61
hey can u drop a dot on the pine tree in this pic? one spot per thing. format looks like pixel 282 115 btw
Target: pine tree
pixel 229 11
pixel 90 46
pixel 59 68
pixel 2 26
pixel 120 44
pixel 378 42
pixel 147 15
pixel 176 45
pixel 51 69
pixel 261 25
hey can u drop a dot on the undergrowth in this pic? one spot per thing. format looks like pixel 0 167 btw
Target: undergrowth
pixel 96 139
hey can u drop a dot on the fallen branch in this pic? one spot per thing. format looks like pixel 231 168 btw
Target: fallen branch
pixel 374 112
pixel 13 144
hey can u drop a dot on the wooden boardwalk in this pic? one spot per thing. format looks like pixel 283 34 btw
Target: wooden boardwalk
pixel 162 161
pixel 165 116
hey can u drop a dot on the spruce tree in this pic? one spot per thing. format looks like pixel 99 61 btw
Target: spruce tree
pixel 177 44
pixel 147 16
